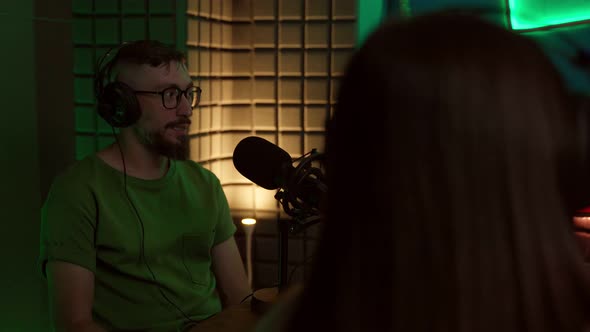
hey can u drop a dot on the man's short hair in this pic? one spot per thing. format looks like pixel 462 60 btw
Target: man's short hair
pixel 150 52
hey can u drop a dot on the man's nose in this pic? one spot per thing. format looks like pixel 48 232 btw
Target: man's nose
pixel 184 107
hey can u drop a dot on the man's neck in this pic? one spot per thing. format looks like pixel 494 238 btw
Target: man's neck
pixel 138 160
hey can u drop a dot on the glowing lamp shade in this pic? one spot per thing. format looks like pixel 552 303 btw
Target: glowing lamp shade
pixel 248 221
pixel 536 14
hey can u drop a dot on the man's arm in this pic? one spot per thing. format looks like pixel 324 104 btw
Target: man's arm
pixel 71 294
pixel 229 271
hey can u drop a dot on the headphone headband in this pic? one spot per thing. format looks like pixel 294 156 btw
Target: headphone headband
pixel 116 101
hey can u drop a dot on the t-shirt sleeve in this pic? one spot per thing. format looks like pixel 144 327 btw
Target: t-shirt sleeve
pixel 68 224
pixel 225 227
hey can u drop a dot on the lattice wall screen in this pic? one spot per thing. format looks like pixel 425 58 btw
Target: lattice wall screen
pixel 268 68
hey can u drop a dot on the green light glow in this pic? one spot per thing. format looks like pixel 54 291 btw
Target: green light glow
pixel 369 16
pixel 534 14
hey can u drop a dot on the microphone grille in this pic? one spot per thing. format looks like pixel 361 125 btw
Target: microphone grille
pixel 261 162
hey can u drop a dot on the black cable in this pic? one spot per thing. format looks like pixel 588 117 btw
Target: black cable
pixel 247 297
pixel 142 245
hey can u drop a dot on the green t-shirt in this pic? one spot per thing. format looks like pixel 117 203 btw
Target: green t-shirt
pixel 87 220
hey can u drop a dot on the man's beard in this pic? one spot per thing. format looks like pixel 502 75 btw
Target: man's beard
pixel 156 142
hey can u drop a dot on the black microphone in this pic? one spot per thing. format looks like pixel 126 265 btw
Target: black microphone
pixel 271 167
pixel 263 163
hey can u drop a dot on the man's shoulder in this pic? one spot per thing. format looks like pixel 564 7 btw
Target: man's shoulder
pixel 79 167
pixel 77 174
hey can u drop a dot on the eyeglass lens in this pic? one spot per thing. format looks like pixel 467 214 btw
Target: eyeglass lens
pixel 171 97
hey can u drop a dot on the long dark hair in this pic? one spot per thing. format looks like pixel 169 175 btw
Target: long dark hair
pixel 451 168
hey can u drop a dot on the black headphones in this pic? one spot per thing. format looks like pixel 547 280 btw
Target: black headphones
pixel 116 101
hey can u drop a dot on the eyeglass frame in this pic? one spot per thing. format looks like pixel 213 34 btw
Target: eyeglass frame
pixel 180 92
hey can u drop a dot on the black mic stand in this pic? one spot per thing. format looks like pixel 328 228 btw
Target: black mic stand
pixel 262 299
pixel 302 216
pixel 286 227
pixel 283 253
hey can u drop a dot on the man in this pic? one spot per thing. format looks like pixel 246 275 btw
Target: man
pixel 137 237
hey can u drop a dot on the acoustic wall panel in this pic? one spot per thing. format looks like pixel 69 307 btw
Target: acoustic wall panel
pixel 278 62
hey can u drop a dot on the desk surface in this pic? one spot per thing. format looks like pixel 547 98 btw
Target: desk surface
pixel 238 318
pixel 241 318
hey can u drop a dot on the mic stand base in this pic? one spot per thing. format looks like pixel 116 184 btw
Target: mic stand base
pixel 263 299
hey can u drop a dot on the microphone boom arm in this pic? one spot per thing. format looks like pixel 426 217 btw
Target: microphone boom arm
pixel 303 213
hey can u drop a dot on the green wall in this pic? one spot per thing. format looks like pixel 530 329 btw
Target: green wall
pixel 36 142
pixel 21 300
pixel 532 14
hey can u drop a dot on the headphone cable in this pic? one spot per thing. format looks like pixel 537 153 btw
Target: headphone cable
pixel 142 246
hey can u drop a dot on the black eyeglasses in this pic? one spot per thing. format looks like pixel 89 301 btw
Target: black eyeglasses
pixel 171 96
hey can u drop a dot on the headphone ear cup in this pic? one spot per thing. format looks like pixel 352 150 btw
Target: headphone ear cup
pixel 118 105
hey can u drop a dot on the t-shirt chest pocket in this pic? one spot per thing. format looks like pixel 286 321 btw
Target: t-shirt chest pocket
pixel 196 255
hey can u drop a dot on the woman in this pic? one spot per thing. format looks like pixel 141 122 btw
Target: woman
pixel 452 168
